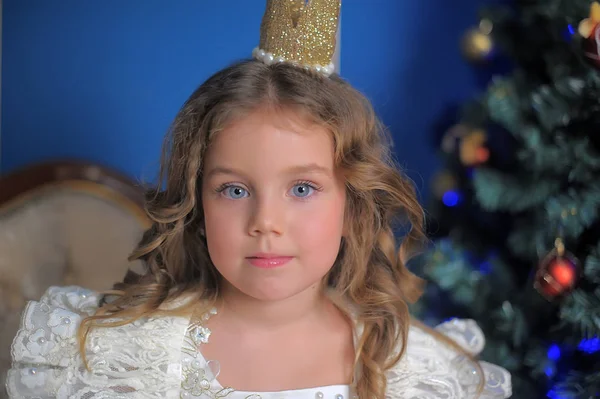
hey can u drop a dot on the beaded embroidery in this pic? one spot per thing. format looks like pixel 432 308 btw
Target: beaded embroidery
pixel 199 376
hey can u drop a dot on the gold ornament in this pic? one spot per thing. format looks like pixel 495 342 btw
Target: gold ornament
pixel 472 149
pixel 477 43
pixel 586 27
pixel 589 30
pixel 299 32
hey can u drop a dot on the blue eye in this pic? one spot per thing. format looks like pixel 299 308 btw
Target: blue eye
pixel 235 192
pixel 302 190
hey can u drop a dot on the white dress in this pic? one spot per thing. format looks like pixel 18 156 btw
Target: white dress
pixel 158 358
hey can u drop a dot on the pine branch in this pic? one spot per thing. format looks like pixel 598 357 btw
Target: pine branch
pixel 468 282
pixel 537 154
pixel 511 322
pixel 574 210
pixel 504 103
pixel 553 109
pixel 591 269
pixel 500 192
pixel 586 158
pixel 581 310
pixel 527 241
pixel 578 385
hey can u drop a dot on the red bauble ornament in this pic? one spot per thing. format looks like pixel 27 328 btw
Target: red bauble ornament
pixel 557 274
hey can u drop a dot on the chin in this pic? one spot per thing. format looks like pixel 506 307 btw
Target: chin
pixel 275 293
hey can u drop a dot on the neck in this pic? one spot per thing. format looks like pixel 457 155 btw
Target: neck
pixel 269 315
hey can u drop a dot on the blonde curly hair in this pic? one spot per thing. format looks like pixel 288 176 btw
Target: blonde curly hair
pixel 369 273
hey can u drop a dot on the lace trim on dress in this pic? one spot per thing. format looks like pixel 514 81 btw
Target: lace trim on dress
pixel 159 357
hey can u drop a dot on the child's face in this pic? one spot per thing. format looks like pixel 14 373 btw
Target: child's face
pixel 270 190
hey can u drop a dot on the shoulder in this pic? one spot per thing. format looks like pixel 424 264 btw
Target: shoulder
pixel 46 340
pixel 432 367
pixel 51 320
pixel 46 361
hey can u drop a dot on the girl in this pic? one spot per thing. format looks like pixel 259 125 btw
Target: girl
pixel 272 269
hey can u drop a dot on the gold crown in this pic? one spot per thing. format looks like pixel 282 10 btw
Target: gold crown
pixel 301 32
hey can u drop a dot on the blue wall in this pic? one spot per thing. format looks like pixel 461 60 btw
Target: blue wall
pixel 102 79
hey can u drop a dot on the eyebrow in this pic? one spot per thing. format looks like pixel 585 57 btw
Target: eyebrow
pixel 294 170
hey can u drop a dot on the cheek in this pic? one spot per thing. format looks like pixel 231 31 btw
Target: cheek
pixel 220 222
pixel 321 229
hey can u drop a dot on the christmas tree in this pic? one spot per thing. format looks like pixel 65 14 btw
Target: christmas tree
pixel 515 218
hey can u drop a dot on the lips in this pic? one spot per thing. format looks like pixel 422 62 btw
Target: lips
pixel 268 261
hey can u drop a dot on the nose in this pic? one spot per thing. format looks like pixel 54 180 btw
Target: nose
pixel 266 217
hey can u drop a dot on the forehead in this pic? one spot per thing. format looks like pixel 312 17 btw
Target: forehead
pixel 264 138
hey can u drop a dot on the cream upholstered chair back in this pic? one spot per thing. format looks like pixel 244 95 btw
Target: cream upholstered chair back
pixel 63 223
